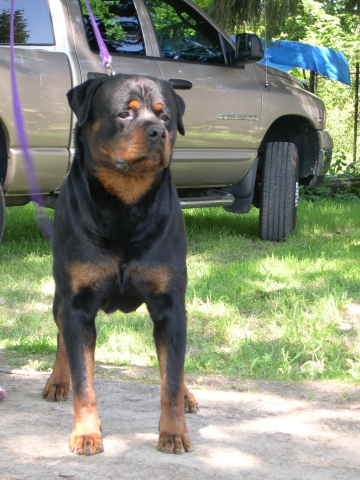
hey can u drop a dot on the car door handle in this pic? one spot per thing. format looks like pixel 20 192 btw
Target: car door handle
pixel 180 84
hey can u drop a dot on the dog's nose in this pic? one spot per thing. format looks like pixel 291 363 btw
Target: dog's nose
pixel 156 133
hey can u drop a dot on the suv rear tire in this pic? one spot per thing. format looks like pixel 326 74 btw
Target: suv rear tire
pixel 279 191
pixel 2 212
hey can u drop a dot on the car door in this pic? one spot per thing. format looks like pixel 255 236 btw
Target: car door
pixel 223 103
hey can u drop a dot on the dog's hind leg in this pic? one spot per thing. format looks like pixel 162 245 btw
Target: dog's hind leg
pixel 58 385
pixel 190 403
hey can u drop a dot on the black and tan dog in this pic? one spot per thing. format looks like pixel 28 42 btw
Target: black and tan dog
pixel 119 241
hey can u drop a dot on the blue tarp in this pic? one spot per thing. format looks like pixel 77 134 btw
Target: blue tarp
pixel 285 55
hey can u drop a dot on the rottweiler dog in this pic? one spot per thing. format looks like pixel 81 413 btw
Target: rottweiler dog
pixel 118 242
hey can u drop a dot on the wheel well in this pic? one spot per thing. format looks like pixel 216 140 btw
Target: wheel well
pixel 299 131
pixel 3 156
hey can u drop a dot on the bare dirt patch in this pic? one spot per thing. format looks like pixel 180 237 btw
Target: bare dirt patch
pixel 251 430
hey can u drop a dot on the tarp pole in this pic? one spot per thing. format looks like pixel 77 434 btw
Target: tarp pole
pixel 356 111
pixel 312 81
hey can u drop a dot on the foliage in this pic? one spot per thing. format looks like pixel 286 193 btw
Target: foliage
pixel 170 25
pixel 328 24
pixel 236 15
pixel 232 14
pixel 340 166
pixel 20 33
pixel 181 31
pixel 352 6
pixel 102 10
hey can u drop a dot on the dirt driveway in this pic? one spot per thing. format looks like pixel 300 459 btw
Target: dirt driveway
pixel 259 430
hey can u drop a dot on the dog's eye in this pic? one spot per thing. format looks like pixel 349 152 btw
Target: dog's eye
pixel 123 114
pixel 164 117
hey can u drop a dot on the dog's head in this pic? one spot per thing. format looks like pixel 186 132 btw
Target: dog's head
pixel 130 121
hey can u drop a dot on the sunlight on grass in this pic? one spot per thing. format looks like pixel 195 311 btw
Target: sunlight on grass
pixel 125 339
pixel 255 309
pixel 47 286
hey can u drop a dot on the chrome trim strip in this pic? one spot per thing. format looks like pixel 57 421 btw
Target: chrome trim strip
pixel 216 198
pixel 213 154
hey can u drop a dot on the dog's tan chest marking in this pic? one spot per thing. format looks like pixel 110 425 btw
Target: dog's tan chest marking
pixel 128 189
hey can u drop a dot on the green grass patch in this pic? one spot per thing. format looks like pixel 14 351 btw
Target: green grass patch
pixel 255 309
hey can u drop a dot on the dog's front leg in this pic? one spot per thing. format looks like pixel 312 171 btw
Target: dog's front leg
pixel 170 341
pixel 78 319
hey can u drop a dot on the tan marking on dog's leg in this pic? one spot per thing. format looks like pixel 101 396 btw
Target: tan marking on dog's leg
pixel 58 384
pixel 190 403
pixel 89 275
pixel 173 433
pixel 157 279
pixel 86 434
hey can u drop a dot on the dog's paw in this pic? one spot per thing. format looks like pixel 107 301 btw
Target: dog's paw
pixel 174 443
pixel 86 444
pixel 56 392
pixel 190 403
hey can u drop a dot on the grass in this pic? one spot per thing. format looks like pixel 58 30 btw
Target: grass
pixel 255 309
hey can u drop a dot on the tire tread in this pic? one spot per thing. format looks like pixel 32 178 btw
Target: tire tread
pixel 277 203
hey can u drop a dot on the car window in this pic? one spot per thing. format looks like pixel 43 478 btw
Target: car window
pixel 183 34
pixel 33 26
pixel 118 24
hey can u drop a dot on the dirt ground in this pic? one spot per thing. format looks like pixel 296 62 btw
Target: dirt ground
pixel 251 430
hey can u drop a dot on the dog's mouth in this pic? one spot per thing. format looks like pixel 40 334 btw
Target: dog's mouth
pixel 122 165
pixel 149 163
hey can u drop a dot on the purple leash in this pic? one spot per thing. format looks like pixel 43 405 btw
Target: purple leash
pixel 33 182
pixel 104 53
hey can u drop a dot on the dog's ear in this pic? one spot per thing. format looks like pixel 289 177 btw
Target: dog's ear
pixel 180 112
pixel 80 97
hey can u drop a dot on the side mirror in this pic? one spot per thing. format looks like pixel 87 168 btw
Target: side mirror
pixel 248 49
